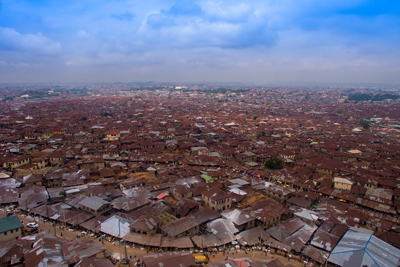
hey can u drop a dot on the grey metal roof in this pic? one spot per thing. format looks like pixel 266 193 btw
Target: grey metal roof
pixel 285 229
pixel 324 240
pixel 358 249
pixel 115 226
pixel 238 217
pixel 179 226
pixel 239 181
pixel 252 237
pixel 299 238
pixel 93 202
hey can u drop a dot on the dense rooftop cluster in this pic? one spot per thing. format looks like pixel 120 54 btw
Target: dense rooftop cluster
pixel 184 167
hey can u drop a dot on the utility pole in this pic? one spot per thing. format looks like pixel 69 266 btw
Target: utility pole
pixel 48 217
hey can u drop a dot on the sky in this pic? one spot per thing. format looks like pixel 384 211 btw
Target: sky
pixel 183 41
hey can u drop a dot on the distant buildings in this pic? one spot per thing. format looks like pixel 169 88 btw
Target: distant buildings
pixel 171 168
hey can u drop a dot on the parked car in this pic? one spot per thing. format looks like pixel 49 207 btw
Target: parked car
pixel 32 225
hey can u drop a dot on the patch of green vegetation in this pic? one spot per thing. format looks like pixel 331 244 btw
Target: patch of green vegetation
pixel 274 164
pixel 372 97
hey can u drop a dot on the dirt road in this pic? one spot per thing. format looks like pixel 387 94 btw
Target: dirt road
pixel 117 250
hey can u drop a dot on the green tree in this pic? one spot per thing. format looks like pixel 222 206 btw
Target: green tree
pixel 274 164
pixel 364 124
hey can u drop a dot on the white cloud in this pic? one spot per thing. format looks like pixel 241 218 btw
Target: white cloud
pixel 10 39
pixel 82 33
pixel 211 25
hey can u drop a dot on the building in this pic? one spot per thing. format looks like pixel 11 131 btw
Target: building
pixel 217 200
pixel 10 228
pixel 359 249
pixel 342 183
pixel 95 205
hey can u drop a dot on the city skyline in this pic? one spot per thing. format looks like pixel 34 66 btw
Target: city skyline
pixel 258 42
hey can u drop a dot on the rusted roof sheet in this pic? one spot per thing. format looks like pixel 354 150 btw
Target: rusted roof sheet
pixel 76 250
pixel 13 251
pixel 283 230
pixel 89 262
pixel 375 205
pixel 93 224
pixel 169 259
pixel 8 195
pixel 205 215
pixel 74 202
pixel 183 242
pixel 74 217
pixel 316 254
pixel 298 201
pixel 179 226
pixel 51 211
pixel 129 203
pixel 300 237
pixel 324 240
pixel 145 223
pixel 278 245
pixel 32 197
pixel 46 250
pixel 252 237
pixel 145 240
pixel 206 241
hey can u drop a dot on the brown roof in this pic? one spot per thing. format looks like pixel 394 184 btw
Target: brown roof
pixel 89 262
pixel 145 223
pixel 179 226
pixel 169 259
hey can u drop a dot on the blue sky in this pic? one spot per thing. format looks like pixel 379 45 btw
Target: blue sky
pixel 258 41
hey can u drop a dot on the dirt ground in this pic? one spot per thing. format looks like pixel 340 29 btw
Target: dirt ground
pixel 117 250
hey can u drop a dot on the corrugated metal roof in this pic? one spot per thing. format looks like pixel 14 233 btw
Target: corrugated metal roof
pixel 324 240
pixel 93 202
pixel 152 240
pixel 358 249
pixel 169 259
pixel 182 242
pixel 115 226
pixel 252 237
pixel 238 217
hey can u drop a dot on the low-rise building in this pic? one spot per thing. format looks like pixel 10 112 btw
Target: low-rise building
pixel 10 228
pixel 217 200
pixel 342 183
pixel 95 205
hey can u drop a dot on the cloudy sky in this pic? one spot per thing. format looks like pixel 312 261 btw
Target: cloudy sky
pixel 258 41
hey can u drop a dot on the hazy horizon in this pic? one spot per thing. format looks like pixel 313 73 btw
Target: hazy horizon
pixel 250 42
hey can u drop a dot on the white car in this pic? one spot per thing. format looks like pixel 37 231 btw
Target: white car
pixel 32 225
